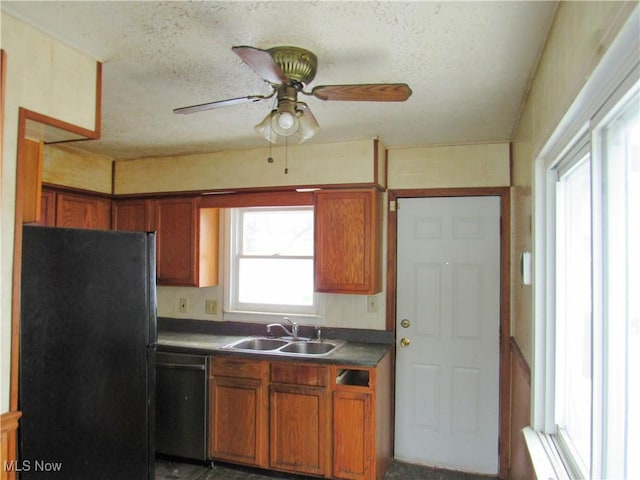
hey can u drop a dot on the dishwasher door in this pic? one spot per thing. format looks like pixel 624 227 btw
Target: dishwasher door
pixel 181 405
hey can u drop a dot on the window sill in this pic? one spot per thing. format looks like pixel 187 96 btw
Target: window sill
pixel 545 457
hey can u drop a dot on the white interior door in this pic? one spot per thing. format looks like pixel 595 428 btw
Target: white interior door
pixel 448 308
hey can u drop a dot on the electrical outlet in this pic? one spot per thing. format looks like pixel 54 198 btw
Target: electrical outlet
pixel 372 304
pixel 211 307
pixel 183 305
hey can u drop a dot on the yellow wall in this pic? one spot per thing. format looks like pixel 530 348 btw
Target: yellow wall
pixel 321 164
pixel 581 34
pixel 484 165
pixel 63 165
pixel 52 79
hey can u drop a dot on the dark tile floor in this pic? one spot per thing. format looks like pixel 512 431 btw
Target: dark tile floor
pixel 169 470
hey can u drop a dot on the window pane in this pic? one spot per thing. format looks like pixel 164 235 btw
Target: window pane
pixel 277 232
pixel 573 316
pixel 622 277
pixel 276 281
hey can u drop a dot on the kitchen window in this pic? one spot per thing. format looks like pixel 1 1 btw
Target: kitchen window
pixel 587 365
pixel 270 268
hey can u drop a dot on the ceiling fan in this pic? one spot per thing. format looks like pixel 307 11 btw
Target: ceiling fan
pixel 288 70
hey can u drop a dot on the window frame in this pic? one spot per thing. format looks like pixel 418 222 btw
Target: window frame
pixel 235 310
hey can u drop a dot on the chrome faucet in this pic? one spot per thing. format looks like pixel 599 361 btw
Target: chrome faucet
pixel 292 333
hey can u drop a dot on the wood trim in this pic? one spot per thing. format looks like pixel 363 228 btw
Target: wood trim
pixel 380 159
pixel 520 465
pixel 293 189
pixel 62 125
pixel 9 443
pixel 258 199
pixel 17 269
pixel 376 159
pixel 522 364
pixel 505 288
pixel 97 125
pixel 77 191
pixel 30 153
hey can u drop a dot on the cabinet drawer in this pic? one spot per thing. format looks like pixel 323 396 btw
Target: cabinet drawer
pixel 297 374
pixel 236 367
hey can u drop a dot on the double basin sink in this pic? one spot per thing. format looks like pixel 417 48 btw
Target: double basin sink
pixel 285 346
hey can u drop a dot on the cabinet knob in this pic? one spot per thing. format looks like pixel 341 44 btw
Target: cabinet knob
pixel 405 342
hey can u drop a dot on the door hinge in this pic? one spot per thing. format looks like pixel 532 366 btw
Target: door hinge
pixel 393 206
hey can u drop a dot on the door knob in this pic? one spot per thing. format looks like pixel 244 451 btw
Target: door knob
pixel 405 323
pixel 405 342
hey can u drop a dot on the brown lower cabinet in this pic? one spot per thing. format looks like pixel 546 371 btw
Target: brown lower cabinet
pixel 298 440
pixel 238 411
pixel 328 421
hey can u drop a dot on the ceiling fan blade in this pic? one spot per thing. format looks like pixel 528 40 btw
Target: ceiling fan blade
pixel 369 92
pixel 220 103
pixel 262 63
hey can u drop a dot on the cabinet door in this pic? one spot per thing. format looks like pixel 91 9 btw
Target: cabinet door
pixel 348 241
pixel 353 435
pixel 238 421
pixel 298 430
pixel 133 215
pixel 47 208
pixel 82 211
pixel 176 224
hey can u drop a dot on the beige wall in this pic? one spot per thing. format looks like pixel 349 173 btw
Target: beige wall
pixel 581 34
pixel 450 166
pixel 322 164
pixel 64 165
pixel 52 79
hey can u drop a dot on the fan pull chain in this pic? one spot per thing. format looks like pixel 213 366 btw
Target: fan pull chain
pixel 270 157
pixel 286 155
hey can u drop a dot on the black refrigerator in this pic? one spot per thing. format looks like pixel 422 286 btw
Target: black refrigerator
pixel 87 354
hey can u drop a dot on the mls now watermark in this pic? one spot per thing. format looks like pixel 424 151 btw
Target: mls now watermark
pixel 31 466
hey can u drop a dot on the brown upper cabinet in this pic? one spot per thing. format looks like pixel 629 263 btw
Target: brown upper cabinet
pixel 348 241
pixel 135 215
pixel 186 237
pixel 82 211
pixel 74 210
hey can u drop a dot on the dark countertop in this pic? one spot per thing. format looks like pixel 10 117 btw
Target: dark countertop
pixel 355 353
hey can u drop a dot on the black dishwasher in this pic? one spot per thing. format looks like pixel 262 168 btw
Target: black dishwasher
pixel 181 405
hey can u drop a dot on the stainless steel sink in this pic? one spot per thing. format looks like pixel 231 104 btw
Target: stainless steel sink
pixel 309 348
pixel 280 346
pixel 259 344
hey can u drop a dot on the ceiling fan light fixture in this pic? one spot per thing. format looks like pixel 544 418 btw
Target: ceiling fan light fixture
pixel 308 123
pixel 264 128
pixel 284 120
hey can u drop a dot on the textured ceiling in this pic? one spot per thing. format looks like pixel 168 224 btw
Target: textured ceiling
pixel 468 64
